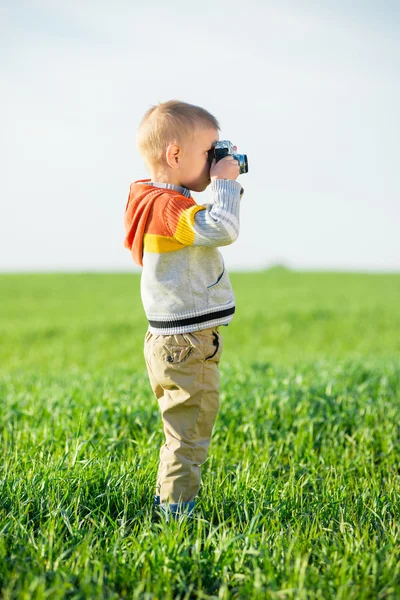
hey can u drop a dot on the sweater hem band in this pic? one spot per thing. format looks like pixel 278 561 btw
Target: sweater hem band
pixel 173 323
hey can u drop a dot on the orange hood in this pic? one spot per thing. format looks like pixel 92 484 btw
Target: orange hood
pixel 140 201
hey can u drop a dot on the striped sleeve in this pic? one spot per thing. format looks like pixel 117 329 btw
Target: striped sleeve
pixel 215 224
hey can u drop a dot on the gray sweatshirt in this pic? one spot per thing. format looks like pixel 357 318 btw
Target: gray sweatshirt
pixel 184 285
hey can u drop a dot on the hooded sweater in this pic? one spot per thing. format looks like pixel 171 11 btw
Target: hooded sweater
pixel 184 283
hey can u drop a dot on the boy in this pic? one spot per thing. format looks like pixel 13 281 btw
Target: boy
pixel 185 288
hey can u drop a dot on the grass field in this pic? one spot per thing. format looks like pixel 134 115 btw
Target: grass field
pixel 300 494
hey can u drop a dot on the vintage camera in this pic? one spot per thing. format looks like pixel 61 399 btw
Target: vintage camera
pixel 225 148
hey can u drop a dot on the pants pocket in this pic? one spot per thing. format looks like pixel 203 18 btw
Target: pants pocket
pixel 175 354
pixel 214 347
pixel 216 344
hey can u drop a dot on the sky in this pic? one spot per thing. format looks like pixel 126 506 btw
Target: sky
pixel 310 91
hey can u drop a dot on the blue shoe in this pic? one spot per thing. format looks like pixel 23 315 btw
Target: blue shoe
pixel 175 510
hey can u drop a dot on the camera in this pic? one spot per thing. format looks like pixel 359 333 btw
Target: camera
pixel 225 148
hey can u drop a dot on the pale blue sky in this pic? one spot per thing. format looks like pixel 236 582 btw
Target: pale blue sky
pixel 311 94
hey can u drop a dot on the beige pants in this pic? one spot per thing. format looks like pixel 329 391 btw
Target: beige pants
pixel 184 376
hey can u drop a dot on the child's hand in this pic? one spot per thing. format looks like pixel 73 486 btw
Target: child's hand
pixel 226 168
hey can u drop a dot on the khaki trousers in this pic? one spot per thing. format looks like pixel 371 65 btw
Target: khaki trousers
pixel 184 376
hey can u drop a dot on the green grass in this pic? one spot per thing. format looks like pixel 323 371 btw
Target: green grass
pixel 300 494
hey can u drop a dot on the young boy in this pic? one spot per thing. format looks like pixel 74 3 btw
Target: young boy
pixel 185 288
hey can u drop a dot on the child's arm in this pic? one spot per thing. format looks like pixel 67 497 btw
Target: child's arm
pixel 215 224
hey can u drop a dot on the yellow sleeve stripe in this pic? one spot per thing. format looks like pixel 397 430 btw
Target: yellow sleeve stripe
pixel 184 231
pixel 160 243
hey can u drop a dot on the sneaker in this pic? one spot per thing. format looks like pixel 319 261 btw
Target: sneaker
pixel 176 510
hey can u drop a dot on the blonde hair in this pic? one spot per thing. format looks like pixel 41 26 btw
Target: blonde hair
pixel 172 122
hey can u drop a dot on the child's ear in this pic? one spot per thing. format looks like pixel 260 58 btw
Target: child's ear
pixel 173 155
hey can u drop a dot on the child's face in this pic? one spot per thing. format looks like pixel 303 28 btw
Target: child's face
pixel 193 165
